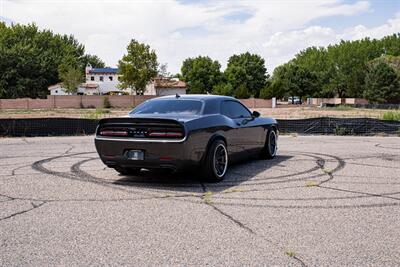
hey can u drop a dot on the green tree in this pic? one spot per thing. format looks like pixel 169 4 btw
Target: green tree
pixel 248 70
pixel 293 80
pixel 274 88
pixel 30 59
pixel 242 92
pixel 93 60
pixel 137 67
pixel 382 85
pixel 70 79
pixel 392 61
pixel 163 70
pixel 340 69
pixel 201 74
pixel 223 88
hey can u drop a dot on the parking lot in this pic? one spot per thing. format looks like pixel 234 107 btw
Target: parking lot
pixel 324 200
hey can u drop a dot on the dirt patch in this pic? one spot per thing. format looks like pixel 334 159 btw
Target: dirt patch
pixel 279 113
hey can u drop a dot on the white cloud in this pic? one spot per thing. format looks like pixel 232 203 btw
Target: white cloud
pixel 360 31
pixel 274 29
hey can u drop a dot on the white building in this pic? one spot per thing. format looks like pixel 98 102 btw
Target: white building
pixel 57 89
pixel 104 81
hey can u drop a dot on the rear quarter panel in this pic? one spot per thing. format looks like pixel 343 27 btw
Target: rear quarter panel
pixel 201 130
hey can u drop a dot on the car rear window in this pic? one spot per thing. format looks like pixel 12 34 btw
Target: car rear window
pixel 179 106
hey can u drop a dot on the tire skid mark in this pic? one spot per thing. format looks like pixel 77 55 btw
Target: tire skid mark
pixel 78 174
pixel 387 147
pixel 364 193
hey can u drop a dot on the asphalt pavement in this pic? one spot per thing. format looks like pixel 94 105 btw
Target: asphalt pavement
pixel 323 201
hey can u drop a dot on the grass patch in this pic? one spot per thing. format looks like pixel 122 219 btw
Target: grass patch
pixel 341 107
pixel 311 184
pixel 326 171
pixel 391 116
pixel 234 190
pixel 95 114
pixel 207 197
pixel 290 253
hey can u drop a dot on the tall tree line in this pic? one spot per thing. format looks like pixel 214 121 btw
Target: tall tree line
pixel 244 76
pixel 32 59
pixel 361 68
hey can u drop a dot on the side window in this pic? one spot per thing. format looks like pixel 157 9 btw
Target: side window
pixel 101 78
pixel 234 110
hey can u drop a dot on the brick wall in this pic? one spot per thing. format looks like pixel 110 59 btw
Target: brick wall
pixel 91 101
pixel 257 103
pixel 338 101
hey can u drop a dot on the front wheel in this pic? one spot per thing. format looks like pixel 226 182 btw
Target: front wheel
pixel 271 145
pixel 216 163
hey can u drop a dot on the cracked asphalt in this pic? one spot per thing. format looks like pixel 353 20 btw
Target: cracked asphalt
pixel 323 201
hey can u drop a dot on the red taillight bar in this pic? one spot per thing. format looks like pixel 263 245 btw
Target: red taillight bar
pixel 114 133
pixel 165 134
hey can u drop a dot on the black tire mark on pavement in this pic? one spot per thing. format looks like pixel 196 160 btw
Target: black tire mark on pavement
pixel 364 193
pixel 387 147
pixel 78 174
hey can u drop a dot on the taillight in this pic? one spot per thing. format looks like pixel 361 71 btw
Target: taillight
pixel 165 134
pixel 113 132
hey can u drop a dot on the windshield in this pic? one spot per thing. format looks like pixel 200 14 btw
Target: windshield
pixel 178 106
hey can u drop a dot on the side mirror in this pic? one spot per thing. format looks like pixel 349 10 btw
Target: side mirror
pixel 256 114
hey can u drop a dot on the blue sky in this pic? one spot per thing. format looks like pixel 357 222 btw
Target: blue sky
pixel 380 12
pixel 178 29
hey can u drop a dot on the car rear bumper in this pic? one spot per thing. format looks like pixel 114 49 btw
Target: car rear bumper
pixel 174 155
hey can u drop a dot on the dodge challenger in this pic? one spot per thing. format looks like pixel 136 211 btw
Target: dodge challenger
pixel 185 132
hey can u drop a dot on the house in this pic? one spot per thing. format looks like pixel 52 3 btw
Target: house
pixel 89 89
pixel 105 78
pixel 162 86
pixel 57 89
pixel 104 81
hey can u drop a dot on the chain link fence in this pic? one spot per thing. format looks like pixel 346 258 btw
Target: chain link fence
pixel 335 126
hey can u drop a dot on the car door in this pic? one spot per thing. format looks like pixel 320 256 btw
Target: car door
pixel 245 137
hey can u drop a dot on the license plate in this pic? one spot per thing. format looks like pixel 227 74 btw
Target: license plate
pixel 135 155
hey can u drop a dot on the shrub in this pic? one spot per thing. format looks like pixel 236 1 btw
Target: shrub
pixel 391 116
pixel 242 92
pixel 223 89
pixel 340 130
pixel 96 114
pixel 106 103
pixel 382 85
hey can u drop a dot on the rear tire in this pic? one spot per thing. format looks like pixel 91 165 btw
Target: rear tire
pixel 127 171
pixel 271 145
pixel 216 162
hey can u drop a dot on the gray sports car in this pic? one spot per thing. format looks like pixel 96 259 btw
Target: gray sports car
pixel 186 132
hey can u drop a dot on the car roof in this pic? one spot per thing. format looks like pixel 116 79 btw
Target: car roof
pixel 212 102
pixel 197 97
